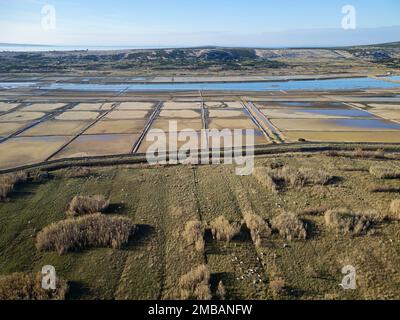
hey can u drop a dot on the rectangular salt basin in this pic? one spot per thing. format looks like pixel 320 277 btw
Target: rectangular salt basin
pixel 44 107
pixel 387 114
pixel 301 104
pixel 181 105
pixel 223 105
pixel 98 145
pixel 345 136
pixel 128 114
pixel 24 151
pixel 184 114
pixel 162 143
pixel 237 139
pixel 167 124
pixel 21 116
pixel 214 113
pixel 8 128
pixel 236 123
pixel 4 106
pixel 92 106
pixel 78 115
pixel 56 128
pixel 303 113
pixel 117 127
pixel 335 125
pixel 136 106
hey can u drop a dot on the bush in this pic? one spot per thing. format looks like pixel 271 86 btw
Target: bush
pixel 38 175
pixel 95 230
pixel 82 205
pixel 258 227
pixel 9 181
pixel 23 286
pixel 289 226
pixel 277 287
pixel 348 223
pixel 375 154
pixel 265 177
pixel 359 153
pixel 194 234
pixel 78 172
pixel 303 177
pixel 195 284
pixel 221 291
pixel 395 207
pixel 222 230
pixel 382 172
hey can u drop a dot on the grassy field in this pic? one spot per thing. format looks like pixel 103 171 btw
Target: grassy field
pixel 161 200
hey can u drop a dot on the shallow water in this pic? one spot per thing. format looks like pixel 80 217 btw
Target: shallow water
pixel 368 124
pixel 331 84
pixel 16 85
pixel 337 112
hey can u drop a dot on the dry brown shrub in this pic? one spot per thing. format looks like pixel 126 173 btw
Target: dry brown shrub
pixel 221 291
pixel 345 222
pixel 303 177
pixel 385 172
pixel 395 207
pixel 38 175
pixel 359 153
pixel 9 181
pixel 194 234
pixel 23 286
pixel 195 285
pixel 315 211
pixel 259 228
pixel 375 154
pixel 82 205
pixel 384 189
pixel 289 226
pixel 78 172
pixel 277 287
pixel 265 177
pixel 223 230
pixel 89 231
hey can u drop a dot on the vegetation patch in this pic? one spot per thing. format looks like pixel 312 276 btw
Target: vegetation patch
pixel 221 291
pixel 395 208
pixel 83 205
pixel 359 153
pixel 265 177
pixel 195 285
pixel 277 287
pixel 345 222
pixel 9 181
pixel 89 231
pixel 275 179
pixel 385 172
pixel 259 228
pixel 78 172
pixel 289 226
pixel 223 230
pixel 194 234
pixel 28 286
pixel 303 176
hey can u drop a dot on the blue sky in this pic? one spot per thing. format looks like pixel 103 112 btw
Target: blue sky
pixel 205 22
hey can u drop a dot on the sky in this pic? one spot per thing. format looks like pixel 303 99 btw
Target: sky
pixel 193 23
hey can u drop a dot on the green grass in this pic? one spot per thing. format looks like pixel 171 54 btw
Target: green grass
pixel 161 200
